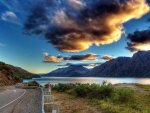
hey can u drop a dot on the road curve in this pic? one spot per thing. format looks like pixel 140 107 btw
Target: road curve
pixel 9 97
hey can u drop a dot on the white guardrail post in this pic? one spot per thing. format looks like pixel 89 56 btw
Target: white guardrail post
pixel 48 99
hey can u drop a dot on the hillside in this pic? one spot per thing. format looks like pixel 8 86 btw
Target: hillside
pixel 10 75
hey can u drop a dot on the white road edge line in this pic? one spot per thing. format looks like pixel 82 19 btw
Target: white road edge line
pixel 43 111
pixel 13 100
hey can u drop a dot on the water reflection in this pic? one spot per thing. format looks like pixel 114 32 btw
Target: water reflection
pixel 90 80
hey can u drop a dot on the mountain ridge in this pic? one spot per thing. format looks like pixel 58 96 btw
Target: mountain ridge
pixel 135 66
pixel 71 71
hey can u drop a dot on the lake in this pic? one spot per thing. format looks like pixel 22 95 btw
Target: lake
pixel 90 80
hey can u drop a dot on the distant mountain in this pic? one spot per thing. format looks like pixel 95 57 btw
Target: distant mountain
pixel 71 71
pixel 136 66
pixel 10 75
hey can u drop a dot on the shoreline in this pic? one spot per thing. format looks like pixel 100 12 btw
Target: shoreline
pixel 93 80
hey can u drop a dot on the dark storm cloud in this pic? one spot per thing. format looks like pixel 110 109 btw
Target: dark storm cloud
pixel 139 41
pixel 140 36
pixel 75 25
pixel 88 56
pixel 148 20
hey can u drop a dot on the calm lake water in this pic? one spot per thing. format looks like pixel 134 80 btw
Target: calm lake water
pixel 90 80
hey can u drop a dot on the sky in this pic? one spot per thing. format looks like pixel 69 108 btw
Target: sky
pixel 43 35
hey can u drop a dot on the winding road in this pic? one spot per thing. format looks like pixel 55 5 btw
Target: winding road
pixel 9 98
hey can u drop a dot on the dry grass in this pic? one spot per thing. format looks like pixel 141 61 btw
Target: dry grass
pixel 70 104
pixel 144 87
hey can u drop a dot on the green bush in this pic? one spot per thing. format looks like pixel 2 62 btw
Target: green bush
pixel 92 91
pixel 124 95
pixel 106 91
pixel 33 83
pixel 82 90
pixel 63 87
pixel 100 92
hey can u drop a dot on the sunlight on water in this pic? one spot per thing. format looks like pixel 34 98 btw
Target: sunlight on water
pixel 90 80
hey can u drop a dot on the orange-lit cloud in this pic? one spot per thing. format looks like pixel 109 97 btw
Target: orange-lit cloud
pixel 107 57
pixel 52 59
pixel 58 59
pixel 77 25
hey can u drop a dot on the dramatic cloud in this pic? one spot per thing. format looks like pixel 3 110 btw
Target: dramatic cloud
pixel 75 25
pixel 107 57
pixel 139 41
pixel 88 56
pixel 52 59
pixel 10 17
pixel 57 59
pixel 148 20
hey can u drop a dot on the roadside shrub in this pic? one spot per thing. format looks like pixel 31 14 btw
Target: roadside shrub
pixel 82 90
pixel 92 91
pixel 63 87
pixel 124 95
pixel 33 83
pixel 100 92
pixel 106 91
pixel 47 86
pixel 95 91
pixel 71 92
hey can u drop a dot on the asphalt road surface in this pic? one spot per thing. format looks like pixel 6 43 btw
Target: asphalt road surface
pixel 20 101
pixel 9 98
